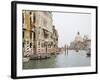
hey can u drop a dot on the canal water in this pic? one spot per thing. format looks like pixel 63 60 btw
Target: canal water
pixel 72 59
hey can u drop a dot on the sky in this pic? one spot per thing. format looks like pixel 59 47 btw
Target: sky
pixel 68 24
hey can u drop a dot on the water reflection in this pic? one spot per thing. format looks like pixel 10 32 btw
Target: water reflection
pixel 72 59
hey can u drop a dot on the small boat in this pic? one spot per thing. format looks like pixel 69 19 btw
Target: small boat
pixel 57 53
pixel 77 50
pixel 89 53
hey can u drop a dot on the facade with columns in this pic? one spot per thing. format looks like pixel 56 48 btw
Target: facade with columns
pixel 39 35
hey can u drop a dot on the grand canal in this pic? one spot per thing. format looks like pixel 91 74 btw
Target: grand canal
pixel 72 59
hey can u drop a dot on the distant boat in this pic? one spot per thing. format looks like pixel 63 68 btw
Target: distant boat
pixel 77 50
pixel 88 52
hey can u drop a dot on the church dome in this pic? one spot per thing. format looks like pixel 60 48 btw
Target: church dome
pixel 78 37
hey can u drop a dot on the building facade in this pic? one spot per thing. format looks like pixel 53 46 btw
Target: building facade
pixel 81 43
pixel 40 38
